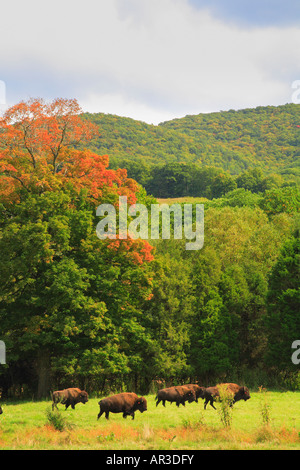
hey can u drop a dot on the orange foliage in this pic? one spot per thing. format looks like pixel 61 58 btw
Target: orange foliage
pixel 36 151
pixel 138 250
pixel 37 154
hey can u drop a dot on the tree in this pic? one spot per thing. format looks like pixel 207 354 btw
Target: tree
pixel 170 310
pixel 222 184
pixel 278 200
pixel 70 303
pixel 282 320
pixel 37 153
pixel 252 179
pixel 213 334
pixel 34 131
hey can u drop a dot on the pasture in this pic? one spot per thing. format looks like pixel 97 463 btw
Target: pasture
pixel 267 421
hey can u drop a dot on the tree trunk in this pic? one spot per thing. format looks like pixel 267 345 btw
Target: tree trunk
pixel 43 373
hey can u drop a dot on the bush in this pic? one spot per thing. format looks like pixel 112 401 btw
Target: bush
pixel 57 420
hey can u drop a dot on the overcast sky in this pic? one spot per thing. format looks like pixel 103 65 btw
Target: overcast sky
pixel 151 60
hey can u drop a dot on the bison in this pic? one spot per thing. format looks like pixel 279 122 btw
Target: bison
pixel 179 394
pixel 237 393
pixel 126 403
pixel 69 397
pixel 199 391
pixel 1 411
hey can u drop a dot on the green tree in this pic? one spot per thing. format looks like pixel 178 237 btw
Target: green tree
pixel 282 320
pixel 252 179
pixel 222 184
pixel 70 303
pixel 170 310
pixel 286 199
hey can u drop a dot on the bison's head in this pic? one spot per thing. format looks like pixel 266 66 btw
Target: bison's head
pixel 141 404
pixel 200 392
pixel 83 397
pixel 245 393
pixel 191 396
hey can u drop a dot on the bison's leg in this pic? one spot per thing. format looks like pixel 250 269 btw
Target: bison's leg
pixel 158 401
pixel 100 413
pixel 125 414
pixel 66 402
pixel 107 414
pixel 211 402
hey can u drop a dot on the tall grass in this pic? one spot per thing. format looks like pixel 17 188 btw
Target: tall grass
pixel 264 406
pixel 225 408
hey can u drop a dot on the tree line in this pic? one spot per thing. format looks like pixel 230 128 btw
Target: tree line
pixel 173 180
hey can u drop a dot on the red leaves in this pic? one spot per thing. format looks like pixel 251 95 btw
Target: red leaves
pixel 36 140
pixel 36 155
pixel 138 251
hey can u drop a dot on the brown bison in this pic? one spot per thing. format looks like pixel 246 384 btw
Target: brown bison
pixel 236 392
pixel 179 394
pixel 199 391
pixel 126 403
pixel 69 397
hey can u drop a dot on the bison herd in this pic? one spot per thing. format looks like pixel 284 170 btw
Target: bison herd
pixel 127 403
pixel 191 392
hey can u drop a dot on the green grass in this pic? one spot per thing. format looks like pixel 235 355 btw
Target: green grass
pixel 25 425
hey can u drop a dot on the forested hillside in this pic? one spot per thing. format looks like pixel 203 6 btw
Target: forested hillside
pixel 265 138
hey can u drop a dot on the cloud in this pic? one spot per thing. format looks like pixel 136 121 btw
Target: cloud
pixel 147 60
pixel 253 13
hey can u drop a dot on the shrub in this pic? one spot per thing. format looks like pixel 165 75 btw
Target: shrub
pixel 57 420
pixel 225 409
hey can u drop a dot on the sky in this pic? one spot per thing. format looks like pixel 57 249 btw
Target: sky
pixel 151 60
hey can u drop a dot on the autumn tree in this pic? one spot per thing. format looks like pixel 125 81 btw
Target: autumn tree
pixel 70 303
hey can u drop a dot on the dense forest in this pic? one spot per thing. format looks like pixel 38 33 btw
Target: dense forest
pixel 120 314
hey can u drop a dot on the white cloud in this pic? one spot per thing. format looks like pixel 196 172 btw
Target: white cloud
pixel 118 104
pixel 150 60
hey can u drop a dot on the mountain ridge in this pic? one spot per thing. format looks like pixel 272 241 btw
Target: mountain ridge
pixel 267 137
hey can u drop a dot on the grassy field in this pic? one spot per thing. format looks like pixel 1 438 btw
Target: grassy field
pixel 266 421
pixel 180 200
